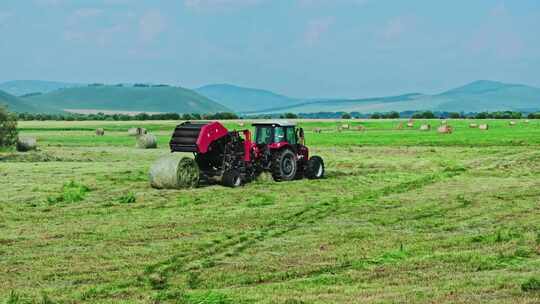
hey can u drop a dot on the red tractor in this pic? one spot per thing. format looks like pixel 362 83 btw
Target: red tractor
pixel 233 157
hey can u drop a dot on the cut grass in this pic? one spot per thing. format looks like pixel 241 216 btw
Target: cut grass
pixel 403 216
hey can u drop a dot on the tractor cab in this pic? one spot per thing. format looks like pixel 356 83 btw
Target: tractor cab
pixel 277 134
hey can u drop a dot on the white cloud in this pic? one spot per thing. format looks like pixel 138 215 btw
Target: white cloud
pixel 499 10
pixel 316 29
pixel 395 28
pixel 49 2
pixel 100 37
pixel 219 4
pixel 151 24
pixel 88 12
pixel 319 2
pixel 4 16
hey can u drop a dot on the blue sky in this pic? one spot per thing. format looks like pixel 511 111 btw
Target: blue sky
pixel 302 48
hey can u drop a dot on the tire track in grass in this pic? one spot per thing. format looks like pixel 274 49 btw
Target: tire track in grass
pixel 157 275
pixel 426 180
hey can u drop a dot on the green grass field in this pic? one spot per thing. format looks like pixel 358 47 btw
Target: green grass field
pixel 403 216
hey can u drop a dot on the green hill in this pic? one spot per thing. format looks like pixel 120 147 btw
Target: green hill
pixel 15 104
pixel 23 87
pixel 123 98
pixel 243 99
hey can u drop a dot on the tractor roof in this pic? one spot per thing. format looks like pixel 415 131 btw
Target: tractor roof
pixel 280 123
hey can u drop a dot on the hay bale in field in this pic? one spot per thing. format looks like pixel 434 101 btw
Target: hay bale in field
pixel 425 127
pixel 137 131
pixel 345 127
pixel 512 123
pixel 484 127
pixel 100 132
pixel 317 130
pixel 25 144
pixel 147 141
pixel 445 129
pixel 410 124
pixel 473 126
pixel 172 172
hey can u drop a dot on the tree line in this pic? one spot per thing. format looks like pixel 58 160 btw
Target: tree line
pixel 126 117
pixel 328 115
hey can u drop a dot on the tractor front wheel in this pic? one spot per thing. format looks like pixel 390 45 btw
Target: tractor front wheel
pixel 231 178
pixel 284 165
pixel 315 168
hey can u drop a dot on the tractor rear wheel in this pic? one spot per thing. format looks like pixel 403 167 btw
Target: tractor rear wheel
pixel 284 165
pixel 231 178
pixel 315 168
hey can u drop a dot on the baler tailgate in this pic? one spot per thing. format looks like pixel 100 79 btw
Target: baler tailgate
pixel 195 137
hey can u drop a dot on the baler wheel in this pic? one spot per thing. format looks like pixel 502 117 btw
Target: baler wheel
pixel 284 165
pixel 231 178
pixel 315 168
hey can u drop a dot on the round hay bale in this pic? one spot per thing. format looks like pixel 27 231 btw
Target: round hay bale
pixel 473 126
pixel 445 129
pixel 100 132
pixel 484 127
pixel 147 141
pixel 512 123
pixel 173 172
pixel 137 131
pixel 425 127
pixel 25 144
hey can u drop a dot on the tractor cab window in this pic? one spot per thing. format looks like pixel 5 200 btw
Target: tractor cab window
pixel 279 134
pixel 263 135
pixel 291 136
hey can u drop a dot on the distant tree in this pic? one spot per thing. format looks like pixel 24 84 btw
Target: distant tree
pixel 392 115
pixel 8 128
pixel 375 116
pixel 346 116
pixel 481 115
pixel 534 115
pixel 454 115
pixel 290 116
pixel 142 116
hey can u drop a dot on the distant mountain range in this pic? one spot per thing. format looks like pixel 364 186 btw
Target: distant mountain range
pixel 477 96
pixel 245 99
